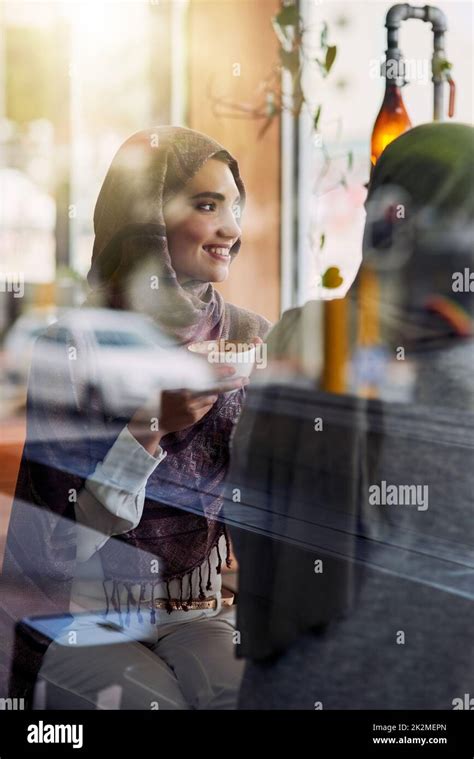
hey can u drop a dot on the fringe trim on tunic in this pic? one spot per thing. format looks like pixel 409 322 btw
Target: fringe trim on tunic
pixel 127 584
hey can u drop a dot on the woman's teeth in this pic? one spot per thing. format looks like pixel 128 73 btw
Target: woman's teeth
pixel 217 252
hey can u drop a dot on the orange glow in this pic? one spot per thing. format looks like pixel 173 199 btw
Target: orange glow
pixel 391 121
pixel 368 329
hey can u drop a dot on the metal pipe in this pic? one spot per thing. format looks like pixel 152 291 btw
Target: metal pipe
pixel 403 11
pixel 396 14
pixel 438 78
pixel 437 19
pixel 439 24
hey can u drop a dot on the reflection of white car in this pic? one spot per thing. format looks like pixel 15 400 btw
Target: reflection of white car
pixel 119 358
pixel 20 340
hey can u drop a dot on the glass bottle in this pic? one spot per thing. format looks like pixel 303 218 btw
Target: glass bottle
pixel 392 120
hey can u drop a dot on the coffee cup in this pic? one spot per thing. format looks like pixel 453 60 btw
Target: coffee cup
pixel 238 354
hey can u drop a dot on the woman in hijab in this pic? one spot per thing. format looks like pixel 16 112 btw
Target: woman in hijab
pixel 166 227
pixel 356 534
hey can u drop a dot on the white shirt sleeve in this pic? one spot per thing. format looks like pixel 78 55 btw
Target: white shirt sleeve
pixel 111 501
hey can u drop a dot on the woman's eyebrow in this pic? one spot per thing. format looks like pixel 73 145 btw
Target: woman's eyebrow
pixel 214 195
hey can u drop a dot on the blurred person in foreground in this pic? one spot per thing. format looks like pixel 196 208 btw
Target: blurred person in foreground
pixel 355 537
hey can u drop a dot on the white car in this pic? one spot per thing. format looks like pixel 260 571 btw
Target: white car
pixel 120 359
pixel 19 342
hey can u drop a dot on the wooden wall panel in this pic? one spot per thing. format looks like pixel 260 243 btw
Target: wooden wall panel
pixel 12 438
pixel 222 33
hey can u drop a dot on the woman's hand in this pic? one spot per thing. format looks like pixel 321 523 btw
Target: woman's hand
pixel 178 410
pixel 181 409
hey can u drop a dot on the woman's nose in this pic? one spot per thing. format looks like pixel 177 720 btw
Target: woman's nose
pixel 229 226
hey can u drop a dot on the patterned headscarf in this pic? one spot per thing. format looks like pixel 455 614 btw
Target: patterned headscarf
pixel 130 242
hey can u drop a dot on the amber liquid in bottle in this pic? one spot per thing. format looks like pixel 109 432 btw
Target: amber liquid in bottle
pixel 391 121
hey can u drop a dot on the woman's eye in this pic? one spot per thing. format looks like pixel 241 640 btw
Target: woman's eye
pixel 207 206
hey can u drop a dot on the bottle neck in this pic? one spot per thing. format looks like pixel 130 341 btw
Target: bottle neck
pixel 393 95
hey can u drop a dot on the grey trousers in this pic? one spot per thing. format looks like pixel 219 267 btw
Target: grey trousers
pixel 182 665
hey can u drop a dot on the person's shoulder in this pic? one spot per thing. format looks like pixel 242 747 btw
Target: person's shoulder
pixel 295 318
pixel 246 322
pixel 293 337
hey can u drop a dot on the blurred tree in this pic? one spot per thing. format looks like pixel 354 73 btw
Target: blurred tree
pixel 30 80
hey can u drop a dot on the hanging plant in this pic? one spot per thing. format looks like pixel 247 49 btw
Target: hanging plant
pixel 292 57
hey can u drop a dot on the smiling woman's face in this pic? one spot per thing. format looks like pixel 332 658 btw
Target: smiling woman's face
pixel 202 224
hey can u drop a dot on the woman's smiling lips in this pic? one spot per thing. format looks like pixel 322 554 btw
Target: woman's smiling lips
pixel 219 252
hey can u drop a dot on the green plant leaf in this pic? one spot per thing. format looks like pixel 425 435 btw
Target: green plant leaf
pixel 332 278
pixel 350 160
pixel 270 109
pixel 298 100
pixel 317 116
pixel 330 57
pixel 290 60
pixel 442 65
pixel 266 125
pixel 288 16
pixel 324 34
